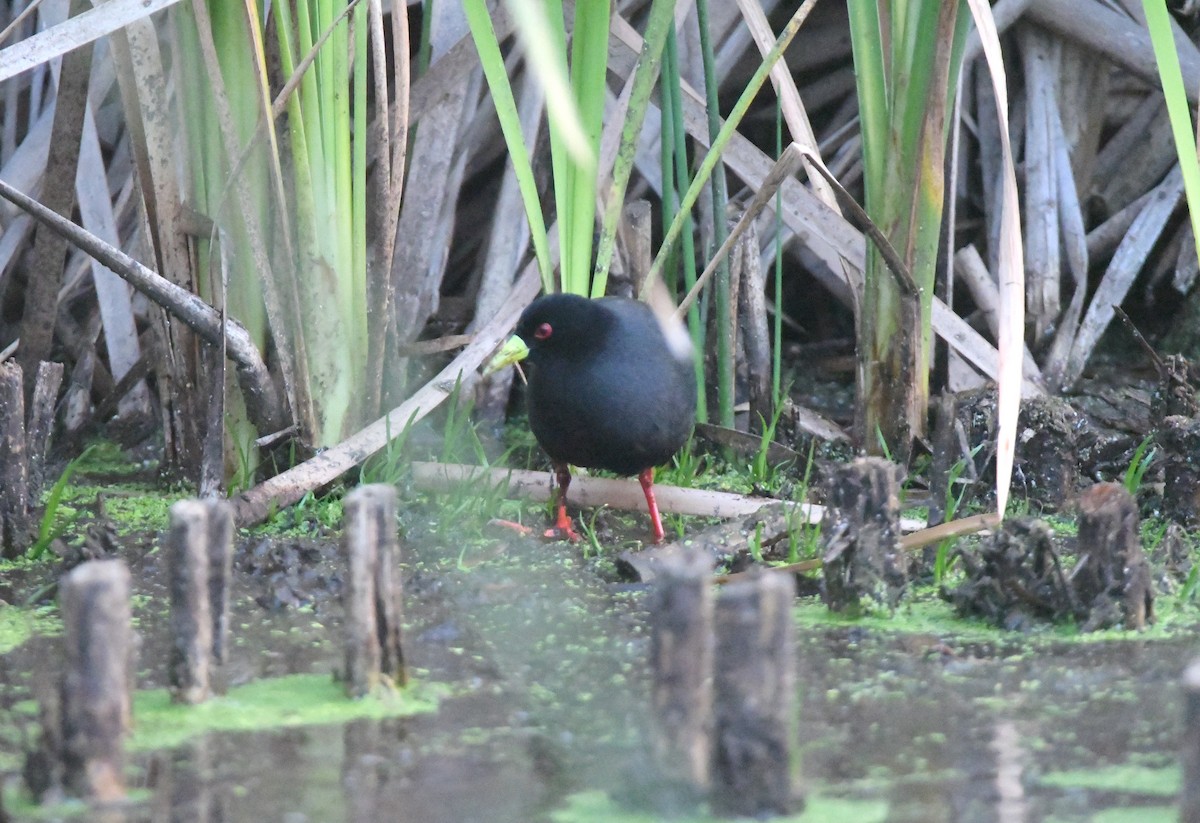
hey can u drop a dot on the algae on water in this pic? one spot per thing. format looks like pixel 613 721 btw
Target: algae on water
pixel 280 702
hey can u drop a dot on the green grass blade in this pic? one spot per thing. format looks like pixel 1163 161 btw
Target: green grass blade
pixel 540 25
pixel 661 22
pixel 589 66
pixel 557 123
pixel 490 58
pixel 1158 21
pixel 720 198
pixel 572 152
pixel 675 180
pixel 713 156
pixel 48 527
pixel 866 41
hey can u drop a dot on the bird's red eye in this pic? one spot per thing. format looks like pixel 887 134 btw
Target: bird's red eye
pixel 543 331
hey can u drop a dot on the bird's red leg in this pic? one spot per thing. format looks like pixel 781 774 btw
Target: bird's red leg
pixel 563 528
pixel 646 478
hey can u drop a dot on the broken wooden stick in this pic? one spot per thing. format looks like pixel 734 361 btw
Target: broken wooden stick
pixel 220 573
pixel 24 440
pixel 861 535
pixel 41 422
pixel 372 590
pixel 1112 577
pixel 96 685
pixel 191 620
pixel 14 463
pixel 619 493
pixel 199 550
pixel 1179 438
pixel 755 696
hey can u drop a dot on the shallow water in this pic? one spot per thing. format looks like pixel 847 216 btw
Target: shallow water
pixel 545 663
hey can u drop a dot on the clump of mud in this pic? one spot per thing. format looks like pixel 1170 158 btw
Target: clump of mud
pixel 1019 577
pixel 1015 578
pixel 293 572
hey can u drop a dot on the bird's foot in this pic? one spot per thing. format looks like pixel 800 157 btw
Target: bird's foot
pixel 559 531
pixel 564 529
pixel 562 532
pixel 524 531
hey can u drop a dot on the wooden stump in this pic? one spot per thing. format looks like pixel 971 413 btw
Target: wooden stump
pixel 372 590
pixel 95 691
pixel 220 572
pixel 41 423
pixel 1047 457
pixel 1175 395
pixel 861 531
pixel 1189 801
pixel 1180 441
pixel 1112 577
pixel 681 662
pixel 191 618
pixel 755 694
pixel 199 549
pixel 14 464
pixel 389 594
pixel 23 449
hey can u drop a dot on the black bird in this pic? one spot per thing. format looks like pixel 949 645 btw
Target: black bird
pixel 611 386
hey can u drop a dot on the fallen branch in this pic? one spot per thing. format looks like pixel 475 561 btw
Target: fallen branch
pixel 262 401
pixel 587 491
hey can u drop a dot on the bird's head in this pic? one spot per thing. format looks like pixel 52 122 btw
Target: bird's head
pixel 554 322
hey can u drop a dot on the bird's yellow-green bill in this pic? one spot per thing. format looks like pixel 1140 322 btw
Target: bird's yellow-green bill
pixel 513 351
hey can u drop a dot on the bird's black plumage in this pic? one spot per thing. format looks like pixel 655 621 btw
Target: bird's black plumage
pixel 611 386
pixel 606 390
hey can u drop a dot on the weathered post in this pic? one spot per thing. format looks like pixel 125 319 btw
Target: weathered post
pixel 372 590
pixel 95 691
pixel 191 619
pixel 220 572
pixel 389 591
pixel 41 422
pixel 1112 566
pixel 755 692
pixel 199 558
pixel 681 663
pixel 1180 440
pixel 861 529
pixel 23 448
pixel 1047 449
pixel 14 463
